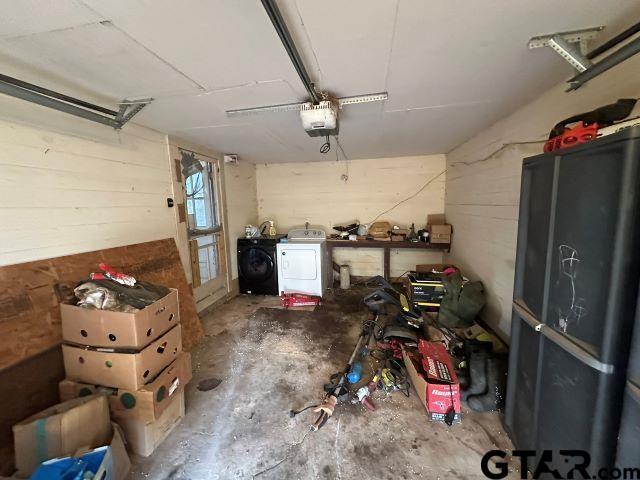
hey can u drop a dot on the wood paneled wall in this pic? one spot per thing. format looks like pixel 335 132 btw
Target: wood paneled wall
pixel 78 189
pixel 242 205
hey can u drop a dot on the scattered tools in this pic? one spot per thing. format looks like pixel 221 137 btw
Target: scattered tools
pixel 337 390
pixel 388 352
pixel 398 355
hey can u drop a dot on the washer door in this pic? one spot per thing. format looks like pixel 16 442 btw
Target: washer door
pixel 256 265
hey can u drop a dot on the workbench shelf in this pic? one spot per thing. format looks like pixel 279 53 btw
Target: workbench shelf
pixel 387 246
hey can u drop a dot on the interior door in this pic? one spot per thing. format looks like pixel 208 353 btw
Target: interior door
pixel 205 228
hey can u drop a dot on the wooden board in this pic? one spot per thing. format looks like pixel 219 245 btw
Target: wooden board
pixel 195 263
pixel 30 293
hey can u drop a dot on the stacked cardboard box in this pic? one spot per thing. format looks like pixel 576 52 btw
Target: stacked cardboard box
pixel 136 359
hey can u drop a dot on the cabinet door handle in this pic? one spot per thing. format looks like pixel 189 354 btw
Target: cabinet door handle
pixel 633 390
pixel 560 340
pixel 520 307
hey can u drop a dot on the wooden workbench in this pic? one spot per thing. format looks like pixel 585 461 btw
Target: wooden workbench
pixel 386 246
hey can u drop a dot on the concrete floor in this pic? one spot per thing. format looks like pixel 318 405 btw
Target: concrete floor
pixel 272 360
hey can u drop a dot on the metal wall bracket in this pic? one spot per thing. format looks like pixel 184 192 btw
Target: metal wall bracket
pixel 563 44
pixel 128 110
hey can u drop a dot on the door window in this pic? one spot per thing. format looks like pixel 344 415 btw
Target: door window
pixel 203 218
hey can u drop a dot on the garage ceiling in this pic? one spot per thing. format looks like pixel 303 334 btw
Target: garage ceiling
pixel 450 70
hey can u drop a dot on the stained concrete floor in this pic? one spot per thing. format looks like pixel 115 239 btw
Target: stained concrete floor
pixel 272 360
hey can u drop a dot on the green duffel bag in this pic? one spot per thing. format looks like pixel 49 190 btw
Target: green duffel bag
pixel 461 302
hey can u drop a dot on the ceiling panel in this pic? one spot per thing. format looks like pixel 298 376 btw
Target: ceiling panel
pixel 218 43
pixel 170 114
pixel 412 132
pixel 98 57
pixel 445 52
pixel 349 42
pixel 257 144
pixel 36 16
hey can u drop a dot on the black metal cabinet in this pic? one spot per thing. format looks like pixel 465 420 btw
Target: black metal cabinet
pixel 629 437
pixel 575 297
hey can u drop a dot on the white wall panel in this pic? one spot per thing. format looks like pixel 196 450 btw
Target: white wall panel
pixel 242 204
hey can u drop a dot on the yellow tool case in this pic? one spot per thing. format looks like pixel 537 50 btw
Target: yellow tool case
pixel 425 290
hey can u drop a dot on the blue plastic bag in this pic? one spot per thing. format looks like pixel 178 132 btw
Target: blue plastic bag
pixel 96 464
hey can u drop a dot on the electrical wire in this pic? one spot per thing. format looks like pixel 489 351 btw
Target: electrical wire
pixel 344 176
pixel 488 157
pixel 340 147
pixel 409 197
pixel 496 152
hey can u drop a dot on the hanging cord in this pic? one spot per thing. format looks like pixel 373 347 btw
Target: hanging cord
pixel 498 151
pixel 326 146
pixel 345 175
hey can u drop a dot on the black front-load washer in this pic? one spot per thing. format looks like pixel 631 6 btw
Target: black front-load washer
pixel 257 266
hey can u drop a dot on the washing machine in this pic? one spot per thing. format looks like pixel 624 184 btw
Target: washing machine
pixel 303 262
pixel 257 265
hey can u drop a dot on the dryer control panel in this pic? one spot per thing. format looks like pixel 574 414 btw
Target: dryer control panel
pixel 307 234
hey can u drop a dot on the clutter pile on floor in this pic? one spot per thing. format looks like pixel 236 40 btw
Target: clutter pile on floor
pixel 126 374
pixel 426 340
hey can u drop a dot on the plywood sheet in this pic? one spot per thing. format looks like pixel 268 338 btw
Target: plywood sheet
pixel 30 293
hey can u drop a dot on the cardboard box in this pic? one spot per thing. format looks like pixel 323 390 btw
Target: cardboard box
pixel 104 328
pixel 100 366
pixel 436 219
pixel 60 431
pixel 144 437
pixel 434 379
pixel 114 466
pixel 121 461
pixel 146 404
pixel 440 233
